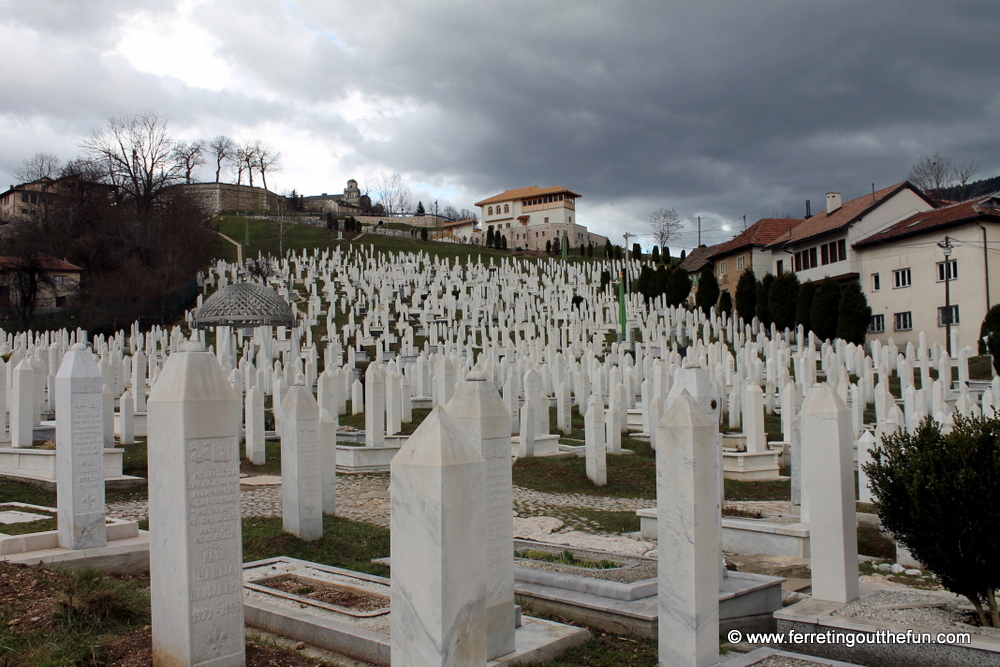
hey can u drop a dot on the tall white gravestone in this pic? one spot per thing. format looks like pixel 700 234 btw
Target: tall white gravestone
pixel 829 465
pixel 80 451
pixel 195 555
pixel 438 549
pixel 301 472
pixel 688 527
pixel 479 413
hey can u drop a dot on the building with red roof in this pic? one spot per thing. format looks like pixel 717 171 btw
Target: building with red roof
pixel 822 245
pixel 528 217
pixel 747 251
pixel 910 285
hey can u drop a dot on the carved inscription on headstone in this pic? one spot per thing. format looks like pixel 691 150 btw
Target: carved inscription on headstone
pixel 213 549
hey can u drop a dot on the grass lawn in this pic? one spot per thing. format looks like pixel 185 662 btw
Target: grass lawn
pixel 270 237
pixel 628 476
pixel 345 543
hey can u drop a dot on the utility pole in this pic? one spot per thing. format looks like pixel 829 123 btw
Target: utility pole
pixel 699 231
pixel 946 247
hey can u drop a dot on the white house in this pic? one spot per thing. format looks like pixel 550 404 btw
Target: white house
pixel 903 273
pixel 823 244
pixel 528 217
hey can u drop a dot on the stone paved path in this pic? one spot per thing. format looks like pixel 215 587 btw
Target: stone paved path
pixel 366 498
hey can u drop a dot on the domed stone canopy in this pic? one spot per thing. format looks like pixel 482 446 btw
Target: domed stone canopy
pixel 244 305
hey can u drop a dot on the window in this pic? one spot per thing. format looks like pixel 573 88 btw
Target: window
pixel 546 220
pixel 835 251
pixel 903 321
pixel 506 208
pixel 876 282
pixel 878 324
pixel 805 259
pixel 741 263
pixel 489 211
pixel 60 280
pixel 947 315
pixel 952 270
pixel 901 278
pixel 61 302
pixel 780 266
pixel 723 267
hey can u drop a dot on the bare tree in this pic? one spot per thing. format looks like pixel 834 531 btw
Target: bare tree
pixel 268 159
pixel 392 193
pixel 189 156
pixel 137 156
pixel 666 225
pixel 245 159
pixel 964 174
pixel 38 166
pixel 932 173
pixel 222 148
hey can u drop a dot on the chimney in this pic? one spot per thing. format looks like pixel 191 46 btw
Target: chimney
pixel 832 202
pixel 809 212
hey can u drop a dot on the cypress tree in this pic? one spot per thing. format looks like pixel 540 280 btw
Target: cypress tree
pixel 726 303
pixel 746 295
pixel 764 300
pixel 490 238
pixel 662 280
pixel 855 314
pixel 783 300
pixel 803 307
pixel 708 289
pixel 826 309
pixel 678 287
pixel 655 255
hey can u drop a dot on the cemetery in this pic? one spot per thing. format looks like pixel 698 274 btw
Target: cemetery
pixel 416 459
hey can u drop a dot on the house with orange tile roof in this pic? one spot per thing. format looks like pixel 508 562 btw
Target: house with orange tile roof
pixel 822 245
pixel 528 217
pixel 747 251
pixel 910 285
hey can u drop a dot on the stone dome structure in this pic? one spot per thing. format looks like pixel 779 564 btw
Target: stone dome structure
pixel 244 305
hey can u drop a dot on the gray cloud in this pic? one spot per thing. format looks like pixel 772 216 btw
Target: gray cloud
pixel 719 108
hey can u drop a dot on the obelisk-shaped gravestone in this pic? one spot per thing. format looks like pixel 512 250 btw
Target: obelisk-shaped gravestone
pixel 254 418
pixel 126 417
pixel 479 413
pixel 439 527
pixel 374 407
pixel 21 406
pixel 830 489
pixel 80 451
pixel 688 527
pixel 596 449
pixel 301 474
pixel 195 554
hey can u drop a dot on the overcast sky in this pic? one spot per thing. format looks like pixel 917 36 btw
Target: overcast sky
pixel 720 109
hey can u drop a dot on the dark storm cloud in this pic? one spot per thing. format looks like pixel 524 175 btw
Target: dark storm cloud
pixel 720 108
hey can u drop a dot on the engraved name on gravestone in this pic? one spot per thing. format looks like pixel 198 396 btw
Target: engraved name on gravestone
pixel 80 451
pixel 196 583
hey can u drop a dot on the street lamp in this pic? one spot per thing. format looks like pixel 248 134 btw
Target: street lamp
pixel 946 247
